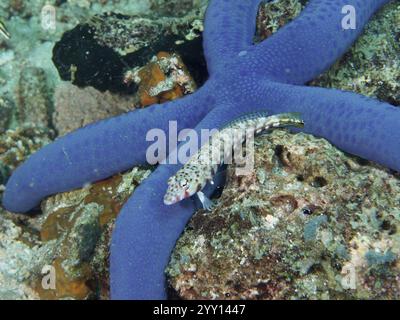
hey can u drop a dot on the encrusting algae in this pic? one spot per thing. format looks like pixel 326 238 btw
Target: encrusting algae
pixel 164 78
pixel 371 65
pixel 81 222
pixel 309 222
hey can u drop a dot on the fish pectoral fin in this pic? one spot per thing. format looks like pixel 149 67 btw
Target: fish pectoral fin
pixel 205 202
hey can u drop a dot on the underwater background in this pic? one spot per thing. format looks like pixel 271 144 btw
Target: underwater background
pixel 308 221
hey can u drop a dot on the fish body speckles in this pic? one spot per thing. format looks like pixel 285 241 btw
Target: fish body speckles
pixel 202 166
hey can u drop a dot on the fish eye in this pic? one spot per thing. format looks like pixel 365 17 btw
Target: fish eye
pixel 183 183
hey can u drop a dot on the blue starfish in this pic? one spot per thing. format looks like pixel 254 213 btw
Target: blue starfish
pixel 244 77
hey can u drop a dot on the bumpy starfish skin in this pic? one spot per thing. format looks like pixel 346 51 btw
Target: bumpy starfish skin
pixel 243 78
pixel 97 151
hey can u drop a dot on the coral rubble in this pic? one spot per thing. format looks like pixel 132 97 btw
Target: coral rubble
pixel 165 78
pixel 33 97
pixel 6 112
pixel 309 222
pixel 306 216
pixel 16 145
pixel 100 52
pixel 371 65
pixel 72 235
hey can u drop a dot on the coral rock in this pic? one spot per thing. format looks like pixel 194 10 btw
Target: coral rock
pixel 100 52
pixel 6 111
pixel 164 78
pixel 75 107
pixel 371 65
pixel 310 222
pixel 81 222
pixel 34 105
pixel 16 145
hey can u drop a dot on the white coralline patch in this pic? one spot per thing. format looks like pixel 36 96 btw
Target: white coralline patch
pixel 6 57
pixel 19 262
pixel 200 244
pixel 270 221
pixel 127 180
pixel 242 53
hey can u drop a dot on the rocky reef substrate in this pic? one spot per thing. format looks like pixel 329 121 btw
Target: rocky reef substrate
pixel 310 222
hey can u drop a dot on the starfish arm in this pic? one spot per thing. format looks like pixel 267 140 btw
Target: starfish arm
pixel 354 123
pixel 307 46
pixel 97 151
pixel 145 233
pixel 146 229
pixel 229 29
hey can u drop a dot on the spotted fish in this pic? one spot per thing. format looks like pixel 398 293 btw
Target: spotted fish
pixel 3 30
pixel 202 166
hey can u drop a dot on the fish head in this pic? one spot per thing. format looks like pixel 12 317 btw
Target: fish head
pixel 180 187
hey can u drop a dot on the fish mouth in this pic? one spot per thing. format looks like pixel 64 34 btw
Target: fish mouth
pixel 170 200
pixel 167 202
